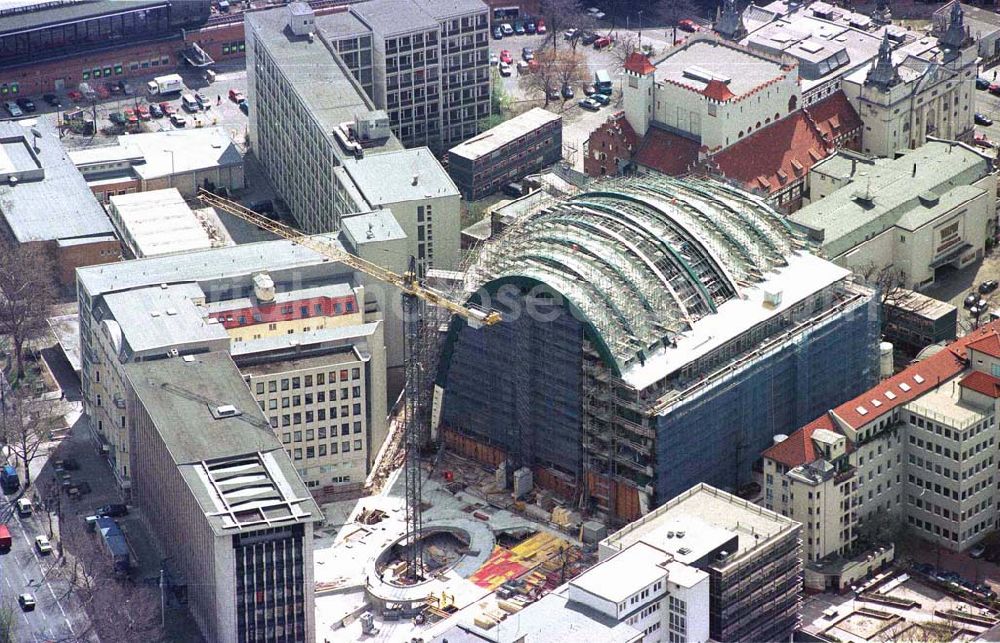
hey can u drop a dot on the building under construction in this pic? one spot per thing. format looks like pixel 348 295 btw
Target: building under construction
pixel 658 333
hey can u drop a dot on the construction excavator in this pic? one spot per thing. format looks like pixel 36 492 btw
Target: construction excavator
pixel 413 293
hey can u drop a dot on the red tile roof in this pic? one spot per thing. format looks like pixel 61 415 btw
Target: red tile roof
pixel 982 383
pixel 775 155
pixel 835 116
pixel 667 152
pixel 718 90
pixel 989 345
pixel 940 367
pixel 638 63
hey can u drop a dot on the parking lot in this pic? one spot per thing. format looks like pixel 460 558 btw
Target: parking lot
pixel 221 111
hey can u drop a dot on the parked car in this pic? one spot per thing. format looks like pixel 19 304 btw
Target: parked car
pixel 24 507
pixel 504 69
pixel 988 286
pixel 507 29
pixel 26 104
pixel 178 120
pixel 494 59
pixel 75 95
pixel 112 511
pixel 980 549
pixel 497 33
pixel 26 601
pixel 602 42
pixel 523 67
pixel 167 108
pixel 688 25
pixel 202 100
pixel 142 112
pixel 505 57
pixel 982 83
pixel 995 89
pixel 570 34
pixel 553 94
pixel 982 119
pixel 588 37
pixel 13 109
pixel 519 29
pixel 540 27
pixel 52 100
pixel 527 54
pixel 125 87
pixel 567 92
pixel 529 27
pixel 589 90
pixel 130 115
pixel 590 104
pixel 981 140
pixel 603 99
pixel 155 111
pixel 970 300
pixel 595 13
pixel 244 107
pixel 43 545
pixel 923 568
pixel 235 95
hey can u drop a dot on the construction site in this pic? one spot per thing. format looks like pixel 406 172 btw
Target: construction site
pixel 657 333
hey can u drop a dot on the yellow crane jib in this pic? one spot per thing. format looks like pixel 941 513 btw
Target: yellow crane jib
pixel 407 282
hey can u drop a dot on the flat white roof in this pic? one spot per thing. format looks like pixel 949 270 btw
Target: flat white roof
pixel 504 133
pixel 805 275
pixel 158 223
pixel 624 574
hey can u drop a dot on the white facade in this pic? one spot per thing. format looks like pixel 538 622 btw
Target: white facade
pixel 750 91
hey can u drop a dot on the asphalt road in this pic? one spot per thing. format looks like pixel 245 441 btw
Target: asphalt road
pixel 24 571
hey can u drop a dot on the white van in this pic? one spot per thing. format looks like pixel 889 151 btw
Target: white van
pixel 190 103
pixel 24 507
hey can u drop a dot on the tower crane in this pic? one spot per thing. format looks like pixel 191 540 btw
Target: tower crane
pixel 413 292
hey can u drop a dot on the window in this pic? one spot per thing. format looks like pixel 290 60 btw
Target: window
pixel 260 387
pixel 345 446
pixel 357 427
pixel 357 445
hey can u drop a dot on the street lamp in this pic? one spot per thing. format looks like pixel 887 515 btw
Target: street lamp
pixel 173 168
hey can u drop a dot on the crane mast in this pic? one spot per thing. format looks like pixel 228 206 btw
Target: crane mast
pixel 414 295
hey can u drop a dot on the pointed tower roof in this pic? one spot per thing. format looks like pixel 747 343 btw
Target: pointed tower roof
pixel 954 37
pixel 883 13
pixel 883 73
pixel 638 63
pixel 730 24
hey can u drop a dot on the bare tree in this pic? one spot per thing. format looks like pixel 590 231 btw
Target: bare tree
pixel 27 422
pixel 8 622
pixel 544 78
pixel 26 294
pixel 119 609
pixel 558 15
pixel 626 45
pixel 892 292
pixel 572 69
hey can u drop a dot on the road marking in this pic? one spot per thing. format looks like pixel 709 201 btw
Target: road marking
pixel 70 626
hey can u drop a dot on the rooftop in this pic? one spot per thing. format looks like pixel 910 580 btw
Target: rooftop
pixel 156 318
pixel 158 222
pixel 408 175
pixel 444 9
pixel 386 18
pixel 316 73
pixel 946 402
pixel 983 383
pixel 340 23
pixel 684 268
pixel 625 573
pixel 692 64
pixel 898 192
pixel 665 151
pixel 290 364
pixel 204 265
pixel 21 16
pixel 45 175
pixel 335 336
pixel 181 151
pixel 922 305
pixel 907 385
pixel 372 227
pixel 504 133
pixel 753 525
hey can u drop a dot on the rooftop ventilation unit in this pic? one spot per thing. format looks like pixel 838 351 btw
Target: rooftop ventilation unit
pixel 301 19
pixel 226 411
pixel 703 75
pixel 263 287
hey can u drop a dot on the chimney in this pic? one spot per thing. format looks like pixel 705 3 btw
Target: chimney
pixel 914 170
pixel 854 166
pixel 416 179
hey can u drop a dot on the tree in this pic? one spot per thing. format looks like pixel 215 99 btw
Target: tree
pixel 545 76
pixel 26 294
pixel 557 15
pixel 880 528
pixel 892 292
pixel 8 622
pixel 572 69
pixel 25 424
pixel 626 45
pixel 500 102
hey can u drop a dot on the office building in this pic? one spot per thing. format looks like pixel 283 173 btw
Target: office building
pixel 917 450
pixel 282 312
pixel 508 152
pixel 327 149
pixel 929 210
pixel 659 331
pixel 707 566
pixel 45 202
pixel 216 489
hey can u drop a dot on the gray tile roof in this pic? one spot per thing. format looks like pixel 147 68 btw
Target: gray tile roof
pixel 389 18
pixel 158 318
pixel 445 9
pixel 58 206
pixel 370 227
